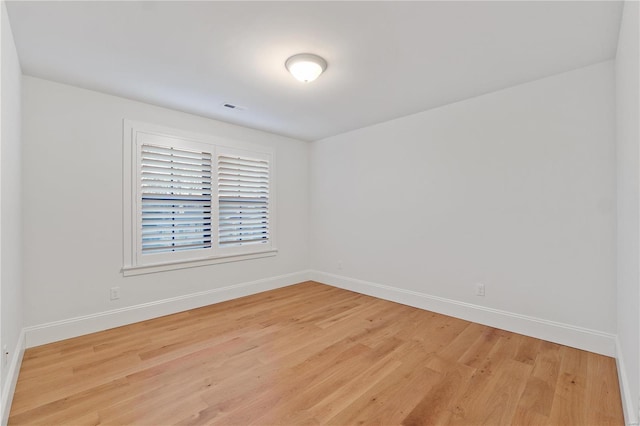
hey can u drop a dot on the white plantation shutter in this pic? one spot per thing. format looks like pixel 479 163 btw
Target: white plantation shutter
pixel 243 200
pixel 193 200
pixel 176 199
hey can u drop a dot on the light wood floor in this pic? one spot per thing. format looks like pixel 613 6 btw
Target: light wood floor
pixel 313 354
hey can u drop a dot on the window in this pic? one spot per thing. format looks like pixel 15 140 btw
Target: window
pixel 243 201
pixel 175 196
pixel 192 200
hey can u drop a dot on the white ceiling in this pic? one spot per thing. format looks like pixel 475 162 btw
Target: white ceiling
pixel 386 59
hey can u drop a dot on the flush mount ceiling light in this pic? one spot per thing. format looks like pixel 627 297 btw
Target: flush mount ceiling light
pixel 306 67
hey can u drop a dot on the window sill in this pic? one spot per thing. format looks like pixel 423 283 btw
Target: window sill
pixel 128 271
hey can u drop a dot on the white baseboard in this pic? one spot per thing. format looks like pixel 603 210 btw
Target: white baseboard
pixel 78 326
pixel 12 378
pixel 630 414
pixel 565 334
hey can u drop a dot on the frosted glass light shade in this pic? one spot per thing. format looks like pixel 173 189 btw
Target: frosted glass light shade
pixel 306 67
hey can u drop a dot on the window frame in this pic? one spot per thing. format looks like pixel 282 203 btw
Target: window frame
pixel 134 262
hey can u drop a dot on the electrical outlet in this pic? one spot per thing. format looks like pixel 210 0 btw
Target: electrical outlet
pixel 479 289
pixel 5 356
pixel 115 293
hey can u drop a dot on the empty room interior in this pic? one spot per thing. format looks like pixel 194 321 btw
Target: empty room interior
pixel 324 212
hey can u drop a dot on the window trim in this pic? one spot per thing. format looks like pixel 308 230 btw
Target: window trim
pixel 131 207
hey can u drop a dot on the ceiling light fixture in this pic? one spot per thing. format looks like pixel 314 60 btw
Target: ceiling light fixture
pixel 306 67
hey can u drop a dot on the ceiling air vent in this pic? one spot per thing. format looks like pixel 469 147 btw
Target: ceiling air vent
pixel 234 107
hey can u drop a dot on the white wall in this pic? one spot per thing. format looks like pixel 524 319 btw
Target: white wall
pixel 514 189
pixel 628 164
pixel 10 209
pixel 72 141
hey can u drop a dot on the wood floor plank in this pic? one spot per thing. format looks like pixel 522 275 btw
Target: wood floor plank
pixel 459 344
pixel 293 400
pixel 439 403
pixel 602 391
pixel 366 409
pixel 311 354
pixel 476 354
pixel 571 388
pixel 380 368
pixel 493 400
pixel 540 388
